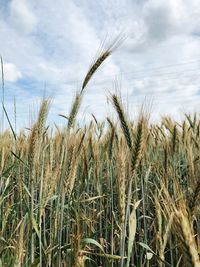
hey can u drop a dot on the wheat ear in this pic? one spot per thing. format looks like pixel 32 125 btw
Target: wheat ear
pixel 101 58
pixel 124 125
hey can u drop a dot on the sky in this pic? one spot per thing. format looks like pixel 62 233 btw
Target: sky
pixel 48 46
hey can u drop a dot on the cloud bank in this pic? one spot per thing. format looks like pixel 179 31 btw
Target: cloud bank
pixel 48 46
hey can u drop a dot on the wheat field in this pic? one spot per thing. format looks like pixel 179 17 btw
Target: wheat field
pixel 113 193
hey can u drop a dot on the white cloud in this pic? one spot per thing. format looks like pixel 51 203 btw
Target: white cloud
pixel 11 73
pixel 21 16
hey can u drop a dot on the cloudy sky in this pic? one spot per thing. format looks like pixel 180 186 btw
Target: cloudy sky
pixel 48 46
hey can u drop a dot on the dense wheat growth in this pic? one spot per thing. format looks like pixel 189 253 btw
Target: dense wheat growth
pixel 123 193
pixel 101 195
